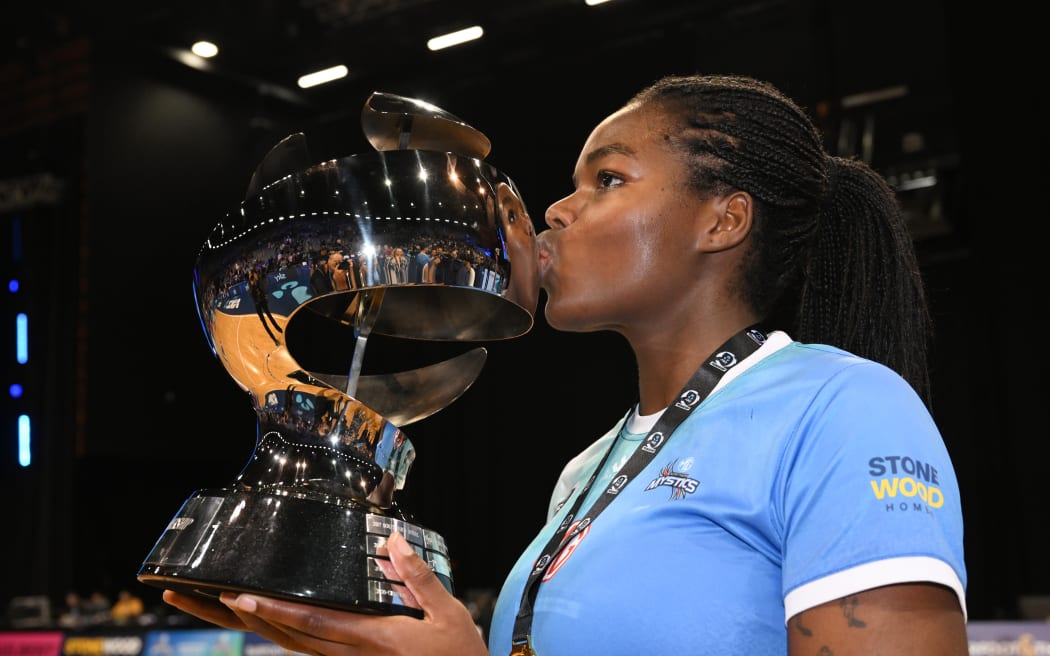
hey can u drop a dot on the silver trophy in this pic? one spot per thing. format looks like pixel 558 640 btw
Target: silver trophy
pixel 290 286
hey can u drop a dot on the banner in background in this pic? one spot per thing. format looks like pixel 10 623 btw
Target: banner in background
pixel 1017 638
pixel 31 643
pixel 256 645
pixel 110 644
pixel 205 642
pixel 1009 638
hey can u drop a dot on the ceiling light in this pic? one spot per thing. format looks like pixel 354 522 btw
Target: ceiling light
pixel 205 49
pixel 455 38
pixel 321 77
pixel 591 3
pixel 190 59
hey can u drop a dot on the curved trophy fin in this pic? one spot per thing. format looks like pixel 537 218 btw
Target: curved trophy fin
pixel 393 122
pixel 409 396
pixel 288 156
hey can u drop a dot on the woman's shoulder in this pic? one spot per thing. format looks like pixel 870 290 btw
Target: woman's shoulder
pixel 824 373
pixel 823 361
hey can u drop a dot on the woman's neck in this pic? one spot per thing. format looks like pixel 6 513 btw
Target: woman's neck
pixel 666 365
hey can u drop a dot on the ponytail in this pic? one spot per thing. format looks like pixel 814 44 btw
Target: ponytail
pixel 862 289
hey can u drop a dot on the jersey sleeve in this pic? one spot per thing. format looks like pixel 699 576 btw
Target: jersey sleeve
pixel 868 494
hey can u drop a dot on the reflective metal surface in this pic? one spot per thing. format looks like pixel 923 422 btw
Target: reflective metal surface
pixel 394 122
pixel 339 243
pixel 420 240
pixel 235 541
pixel 327 256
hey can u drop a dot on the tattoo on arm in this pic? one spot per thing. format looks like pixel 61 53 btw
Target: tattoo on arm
pixel 797 621
pixel 849 610
pixel 801 629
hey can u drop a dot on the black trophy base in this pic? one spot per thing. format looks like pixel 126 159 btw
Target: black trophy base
pixel 300 549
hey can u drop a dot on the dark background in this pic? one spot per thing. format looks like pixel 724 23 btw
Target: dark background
pixel 116 160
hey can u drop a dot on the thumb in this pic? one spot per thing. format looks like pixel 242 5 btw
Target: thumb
pixel 416 574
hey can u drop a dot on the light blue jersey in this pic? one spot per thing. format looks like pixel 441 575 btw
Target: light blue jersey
pixel 807 475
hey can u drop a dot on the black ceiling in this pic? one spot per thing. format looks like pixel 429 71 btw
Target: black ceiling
pixel 537 58
pixel 538 62
pixel 266 45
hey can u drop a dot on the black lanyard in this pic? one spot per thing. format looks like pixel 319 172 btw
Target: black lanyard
pixel 696 390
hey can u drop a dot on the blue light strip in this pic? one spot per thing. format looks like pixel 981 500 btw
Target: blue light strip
pixel 25 451
pixel 22 338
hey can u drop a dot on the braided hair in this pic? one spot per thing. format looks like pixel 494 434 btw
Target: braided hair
pixel 831 259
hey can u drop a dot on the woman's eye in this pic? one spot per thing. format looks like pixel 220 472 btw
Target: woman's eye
pixel 606 180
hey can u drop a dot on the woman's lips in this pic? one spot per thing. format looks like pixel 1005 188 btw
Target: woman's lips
pixel 544 255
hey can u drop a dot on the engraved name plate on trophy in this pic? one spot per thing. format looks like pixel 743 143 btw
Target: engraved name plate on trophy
pixel 327 254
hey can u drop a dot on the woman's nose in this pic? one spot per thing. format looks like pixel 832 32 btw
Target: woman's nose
pixel 559 214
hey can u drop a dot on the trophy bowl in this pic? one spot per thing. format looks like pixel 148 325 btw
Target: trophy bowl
pixel 419 240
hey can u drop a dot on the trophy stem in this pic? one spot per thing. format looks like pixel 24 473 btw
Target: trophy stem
pixel 366 306
pixel 355 366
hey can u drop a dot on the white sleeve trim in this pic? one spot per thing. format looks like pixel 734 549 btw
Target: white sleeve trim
pixel 910 569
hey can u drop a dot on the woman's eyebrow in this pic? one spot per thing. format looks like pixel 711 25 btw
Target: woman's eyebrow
pixel 609 149
pixel 602 151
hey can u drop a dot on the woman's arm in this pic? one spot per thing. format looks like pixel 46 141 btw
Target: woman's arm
pixel 902 619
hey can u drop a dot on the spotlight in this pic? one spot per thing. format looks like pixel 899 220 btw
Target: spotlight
pixel 205 49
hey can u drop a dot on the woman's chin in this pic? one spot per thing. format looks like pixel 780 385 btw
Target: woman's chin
pixel 563 319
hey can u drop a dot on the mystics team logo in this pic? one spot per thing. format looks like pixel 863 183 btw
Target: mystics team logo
pixel 678 480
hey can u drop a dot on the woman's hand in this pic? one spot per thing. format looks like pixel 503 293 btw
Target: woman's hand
pixel 446 628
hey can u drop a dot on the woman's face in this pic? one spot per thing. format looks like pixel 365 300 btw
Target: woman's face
pixel 619 247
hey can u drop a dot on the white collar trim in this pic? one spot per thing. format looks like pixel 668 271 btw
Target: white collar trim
pixel 776 340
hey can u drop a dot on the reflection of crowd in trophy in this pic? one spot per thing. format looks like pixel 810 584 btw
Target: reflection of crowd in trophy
pixel 339 270
pixel 337 258
pixel 323 418
pixel 314 425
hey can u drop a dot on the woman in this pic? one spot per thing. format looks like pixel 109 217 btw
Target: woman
pixel 765 495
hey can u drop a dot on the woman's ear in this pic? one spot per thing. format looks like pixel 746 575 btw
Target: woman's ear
pixel 731 221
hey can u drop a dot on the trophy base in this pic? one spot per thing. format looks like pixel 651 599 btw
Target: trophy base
pixel 287 547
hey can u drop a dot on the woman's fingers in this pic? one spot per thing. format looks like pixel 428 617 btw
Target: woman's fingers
pixel 447 628
pixel 452 628
pixel 390 572
pixel 204 608
pixel 294 619
pixel 423 586
pixel 309 630
pixel 244 607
